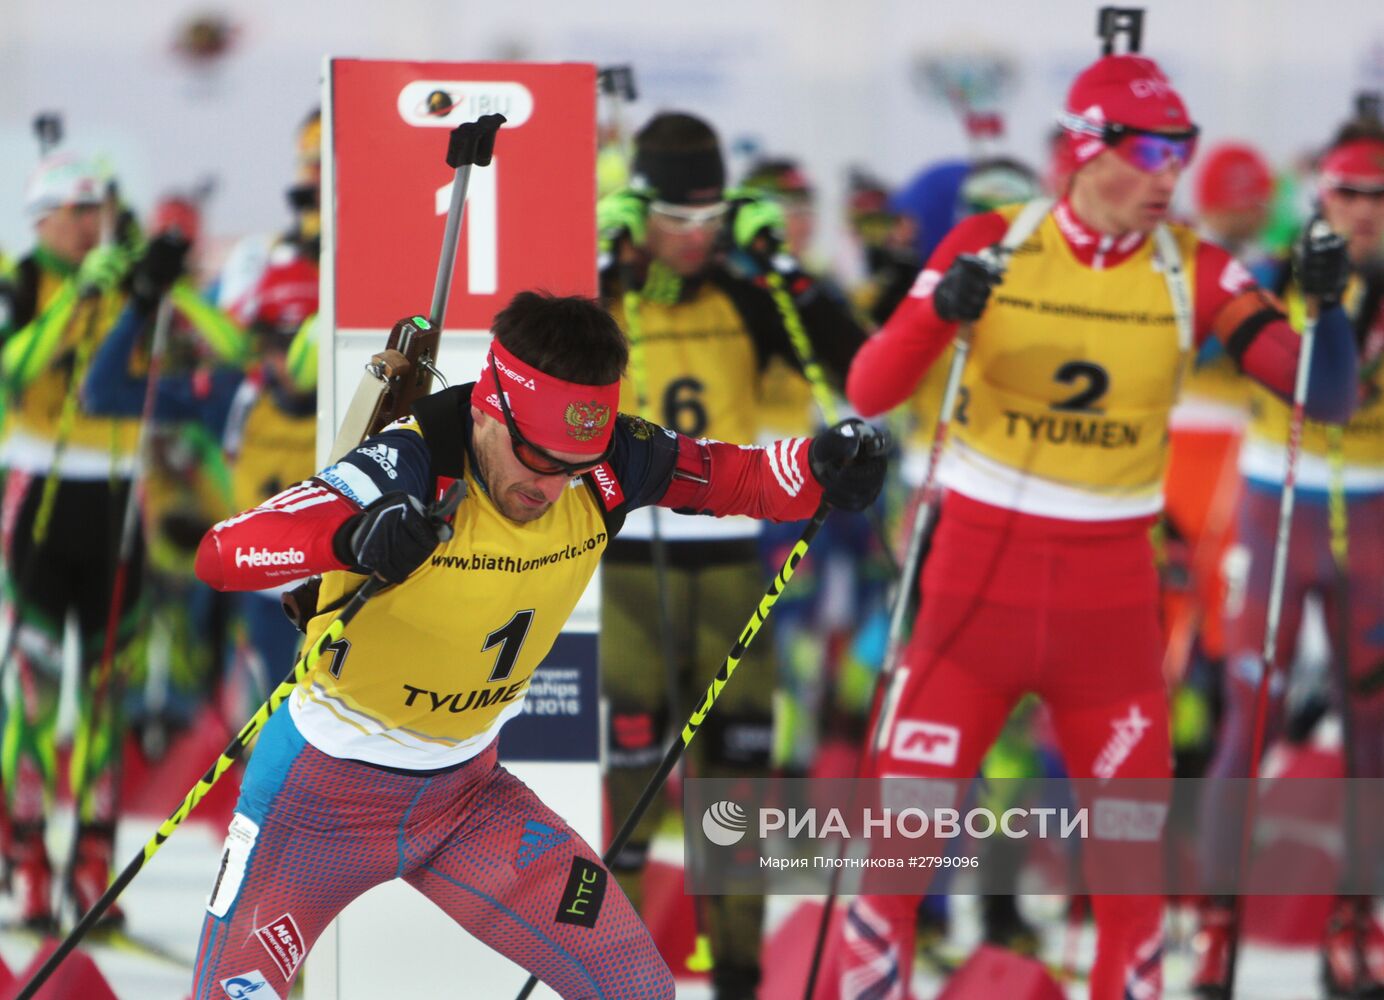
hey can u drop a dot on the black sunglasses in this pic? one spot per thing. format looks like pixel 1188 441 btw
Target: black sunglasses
pixel 534 458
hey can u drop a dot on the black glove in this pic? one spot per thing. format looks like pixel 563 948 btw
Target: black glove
pixel 163 263
pixel 1320 263
pixel 849 460
pixel 390 538
pixel 964 290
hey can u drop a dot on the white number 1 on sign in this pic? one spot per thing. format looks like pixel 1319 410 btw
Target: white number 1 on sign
pixel 481 221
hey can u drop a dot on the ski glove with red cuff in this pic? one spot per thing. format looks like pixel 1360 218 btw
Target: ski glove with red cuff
pixel 390 538
pixel 849 460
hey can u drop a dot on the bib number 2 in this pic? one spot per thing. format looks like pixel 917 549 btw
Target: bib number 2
pixel 1094 381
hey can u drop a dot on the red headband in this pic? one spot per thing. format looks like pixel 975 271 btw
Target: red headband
pixel 555 415
pixel 1358 164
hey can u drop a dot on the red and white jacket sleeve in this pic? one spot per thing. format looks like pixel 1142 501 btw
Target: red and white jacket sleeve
pixel 889 366
pixel 287 537
pixel 772 483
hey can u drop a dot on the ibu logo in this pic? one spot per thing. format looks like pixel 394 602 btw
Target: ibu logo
pixel 724 823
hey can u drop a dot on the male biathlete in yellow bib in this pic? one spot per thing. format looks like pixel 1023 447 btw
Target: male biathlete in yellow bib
pixel 702 335
pixel 384 765
pixel 1040 577
pixel 66 487
pixel 1346 461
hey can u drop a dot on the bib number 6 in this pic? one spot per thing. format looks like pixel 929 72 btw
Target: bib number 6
pixel 683 410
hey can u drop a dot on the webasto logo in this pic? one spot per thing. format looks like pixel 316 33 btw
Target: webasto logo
pixel 724 823
pixel 268 557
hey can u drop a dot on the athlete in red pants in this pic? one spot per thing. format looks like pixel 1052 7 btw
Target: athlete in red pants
pixel 1041 576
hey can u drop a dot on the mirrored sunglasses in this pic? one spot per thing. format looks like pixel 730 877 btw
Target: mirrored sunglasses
pixel 1152 151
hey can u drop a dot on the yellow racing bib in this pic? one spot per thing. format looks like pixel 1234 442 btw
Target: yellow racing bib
pixel 1362 440
pixel 701 368
pixel 276 450
pixel 38 410
pixel 477 620
pixel 1073 371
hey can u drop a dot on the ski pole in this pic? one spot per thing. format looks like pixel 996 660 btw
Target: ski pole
pixel 1340 662
pixel 1269 653
pixel 616 83
pixel 689 731
pixel 821 392
pixel 701 957
pixel 471 144
pixel 405 370
pixel 100 700
pixel 48 131
pixel 442 510
pixel 912 564
pixel 802 346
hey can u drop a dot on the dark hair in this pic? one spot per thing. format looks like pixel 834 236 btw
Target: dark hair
pixel 1366 123
pixel 1357 128
pixel 566 336
pixel 676 132
pixel 677 158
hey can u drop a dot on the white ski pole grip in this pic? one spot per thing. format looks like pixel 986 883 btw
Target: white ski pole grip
pixel 471 144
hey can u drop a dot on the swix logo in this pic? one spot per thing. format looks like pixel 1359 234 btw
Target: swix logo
pixel 926 742
pixel 1150 86
pixel 268 557
pixel 1128 732
pixel 611 493
pixel 383 456
pixel 284 942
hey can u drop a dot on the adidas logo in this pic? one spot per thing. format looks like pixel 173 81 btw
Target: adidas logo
pixel 536 840
pixel 385 457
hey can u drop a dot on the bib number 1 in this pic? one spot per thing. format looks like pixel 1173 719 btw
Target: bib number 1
pixel 510 638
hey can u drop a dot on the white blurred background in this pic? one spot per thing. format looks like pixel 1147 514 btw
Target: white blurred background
pixel 835 83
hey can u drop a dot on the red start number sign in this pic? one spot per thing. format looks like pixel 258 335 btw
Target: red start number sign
pixel 530 215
